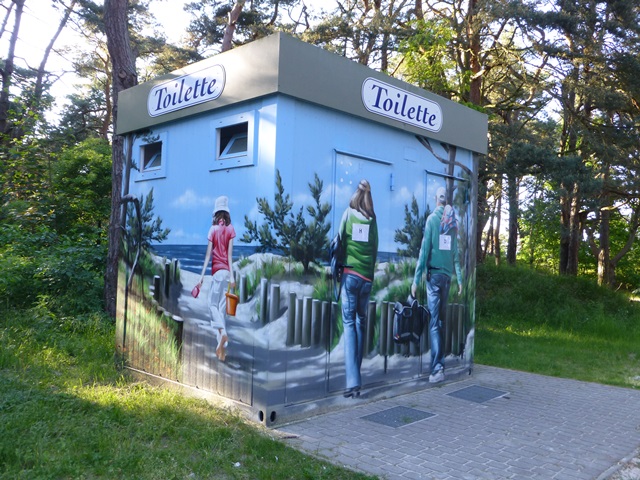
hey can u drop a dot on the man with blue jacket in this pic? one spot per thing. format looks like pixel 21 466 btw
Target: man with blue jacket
pixel 439 258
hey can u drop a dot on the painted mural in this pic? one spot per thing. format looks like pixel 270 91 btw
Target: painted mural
pixel 234 293
pixel 298 228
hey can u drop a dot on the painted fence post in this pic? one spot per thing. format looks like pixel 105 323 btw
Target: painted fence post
pixel 291 320
pixel 167 278
pixel 316 322
pixel 264 301
pixel 156 288
pixel 243 289
pixel 180 330
pixel 274 303
pixel 391 350
pixel 382 342
pixel 306 322
pixel 176 270
pixel 297 339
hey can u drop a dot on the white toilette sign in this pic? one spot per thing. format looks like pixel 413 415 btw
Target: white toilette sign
pixel 185 91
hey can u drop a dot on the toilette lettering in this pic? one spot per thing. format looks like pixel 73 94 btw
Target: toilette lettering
pixel 186 91
pixel 384 99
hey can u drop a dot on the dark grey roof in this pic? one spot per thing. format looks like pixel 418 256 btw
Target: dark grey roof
pixel 281 64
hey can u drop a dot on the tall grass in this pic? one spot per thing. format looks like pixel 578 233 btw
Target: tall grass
pixel 561 326
pixel 67 412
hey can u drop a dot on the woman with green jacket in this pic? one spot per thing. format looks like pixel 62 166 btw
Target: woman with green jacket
pixel 359 238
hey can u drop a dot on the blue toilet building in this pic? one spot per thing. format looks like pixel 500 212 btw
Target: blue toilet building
pixel 287 132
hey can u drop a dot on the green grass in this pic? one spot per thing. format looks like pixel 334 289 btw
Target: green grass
pixel 559 326
pixel 67 412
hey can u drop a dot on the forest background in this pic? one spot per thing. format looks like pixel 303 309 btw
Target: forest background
pixel 559 80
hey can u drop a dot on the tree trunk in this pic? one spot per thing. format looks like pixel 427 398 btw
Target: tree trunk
pixel 604 264
pixel 5 20
pixel 419 12
pixel 564 234
pixel 473 32
pixel 574 236
pixel 488 243
pixel 124 76
pixel 475 97
pixel 45 57
pixel 514 214
pixel 482 209
pixel 496 232
pixel 234 14
pixel 570 234
pixel 7 71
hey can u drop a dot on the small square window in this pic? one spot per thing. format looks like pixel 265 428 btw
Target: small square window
pixel 152 156
pixel 233 141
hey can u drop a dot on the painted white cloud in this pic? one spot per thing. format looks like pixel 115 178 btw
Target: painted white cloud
pixel 190 199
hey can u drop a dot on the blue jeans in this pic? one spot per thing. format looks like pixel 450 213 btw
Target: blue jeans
pixel 437 295
pixel 355 300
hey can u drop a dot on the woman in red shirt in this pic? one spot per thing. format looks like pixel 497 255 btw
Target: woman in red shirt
pixel 220 250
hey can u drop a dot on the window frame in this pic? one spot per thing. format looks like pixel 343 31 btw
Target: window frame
pixel 222 159
pixel 157 171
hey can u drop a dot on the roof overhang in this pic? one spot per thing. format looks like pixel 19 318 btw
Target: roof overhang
pixel 281 64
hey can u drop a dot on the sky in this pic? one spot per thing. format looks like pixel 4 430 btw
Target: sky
pixel 40 21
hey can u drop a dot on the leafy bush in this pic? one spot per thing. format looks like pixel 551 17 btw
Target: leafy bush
pixel 42 266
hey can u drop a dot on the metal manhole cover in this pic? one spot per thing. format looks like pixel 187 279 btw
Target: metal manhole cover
pixel 476 393
pixel 398 416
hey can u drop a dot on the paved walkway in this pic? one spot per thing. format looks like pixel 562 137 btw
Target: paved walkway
pixel 495 424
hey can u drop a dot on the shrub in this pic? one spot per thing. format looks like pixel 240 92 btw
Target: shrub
pixel 42 266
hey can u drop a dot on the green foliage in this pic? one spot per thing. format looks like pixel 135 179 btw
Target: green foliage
pixel 323 289
pixel 152 230
pixel 275 267
pixel 67 412
pixel 44 267
pixel 413 230
pixel 272 268
pixel 25 170
pixel 398 292
pixel 426 60
pixel 85 115
pixel 289 233
pixel 257 19
pixel 562 326
pixel 82 185
pixel 540 234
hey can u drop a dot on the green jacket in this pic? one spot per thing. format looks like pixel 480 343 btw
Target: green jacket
pixel 444 259
pixel 359 237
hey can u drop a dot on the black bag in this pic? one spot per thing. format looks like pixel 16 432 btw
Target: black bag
pixel 336 256
pixel 408 321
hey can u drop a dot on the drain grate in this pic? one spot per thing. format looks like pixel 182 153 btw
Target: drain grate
pixel 398 416
pixel 476 393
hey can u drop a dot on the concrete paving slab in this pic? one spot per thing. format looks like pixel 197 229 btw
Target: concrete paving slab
pixel 527 426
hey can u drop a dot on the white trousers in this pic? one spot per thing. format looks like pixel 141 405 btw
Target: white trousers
pixel 218 300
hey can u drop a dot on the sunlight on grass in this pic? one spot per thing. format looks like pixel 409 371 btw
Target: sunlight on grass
pixel 67 412
pixel 552 326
